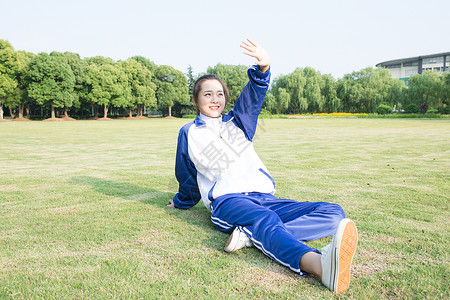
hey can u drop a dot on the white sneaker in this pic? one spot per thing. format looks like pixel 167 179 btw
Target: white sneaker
pixel 237 240
pixel 337 257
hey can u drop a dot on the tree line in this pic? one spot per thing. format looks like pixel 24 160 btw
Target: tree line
pixel 63 84
pixel 371 90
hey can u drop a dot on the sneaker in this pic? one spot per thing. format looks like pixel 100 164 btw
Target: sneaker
pixel 337 257
pixel 238 239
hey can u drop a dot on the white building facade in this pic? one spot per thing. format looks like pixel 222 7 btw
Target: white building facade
pixel 406 67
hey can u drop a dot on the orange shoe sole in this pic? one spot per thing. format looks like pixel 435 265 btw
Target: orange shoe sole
pixel 346 251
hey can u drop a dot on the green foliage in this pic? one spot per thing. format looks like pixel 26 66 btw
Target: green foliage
pixel 425 90
pixel 171 88
pixel 445 91
pixel 146 63
pixel 265 114
pixel 311 92
pixel 270 102
pixel 190 79
pixel 329 93
pixel 445 110
pixel 8 59
pixel 7 86
pixel 165 94
pixel 432 111
pixel 24 59
pixel 189 116
pixel 412 108
pixel 139 80
pixel 8 70
pixel 108 85
pixel 52 81
pixel 383 109
pixel 365 90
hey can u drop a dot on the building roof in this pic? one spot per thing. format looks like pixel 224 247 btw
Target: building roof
pixel 416 58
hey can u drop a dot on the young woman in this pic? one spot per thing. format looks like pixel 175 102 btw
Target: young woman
pixel 216 162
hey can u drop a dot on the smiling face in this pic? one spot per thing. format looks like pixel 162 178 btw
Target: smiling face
pixel 211 98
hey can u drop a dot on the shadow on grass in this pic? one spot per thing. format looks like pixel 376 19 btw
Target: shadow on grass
pixel 197 215
pixel 123 190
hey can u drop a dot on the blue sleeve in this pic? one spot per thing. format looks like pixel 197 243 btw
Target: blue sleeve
pixel 249 103
pixel 188 192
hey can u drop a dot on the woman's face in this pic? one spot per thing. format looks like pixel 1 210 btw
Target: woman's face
pixel 211 99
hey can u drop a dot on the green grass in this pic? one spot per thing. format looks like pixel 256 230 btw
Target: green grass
pixel 83 210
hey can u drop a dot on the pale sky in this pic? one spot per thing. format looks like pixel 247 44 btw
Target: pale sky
pixel 333 37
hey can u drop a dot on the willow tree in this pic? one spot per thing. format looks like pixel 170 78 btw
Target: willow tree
pixel 332 102
pixel 424 90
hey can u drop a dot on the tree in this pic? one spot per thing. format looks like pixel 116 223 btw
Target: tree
pixel 8 70
pixel 79 69
pixel 445 92
pixel 365 90
pixel 189 108
pixel 283 103
pixel 270 102
pixel 383 109
pixel 312 90
pixel 51 81
pixel 395 94
pixel 152 67
pixel 92 77
pixel 107 84
pixel 332 102
pixel 24 59
pixel 7 88
pixel 424 90
pixel 190 79
pixel 171 88
pixel 142 87
pixel 294 85
pixel 146 63
pixel 343 88
pixel 74 62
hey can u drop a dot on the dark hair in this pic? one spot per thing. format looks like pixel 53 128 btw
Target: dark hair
pixel 198 86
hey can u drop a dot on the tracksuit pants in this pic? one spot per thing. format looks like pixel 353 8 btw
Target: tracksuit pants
pixel 278 227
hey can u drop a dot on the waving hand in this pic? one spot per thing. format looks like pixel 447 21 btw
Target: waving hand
pixel 256 51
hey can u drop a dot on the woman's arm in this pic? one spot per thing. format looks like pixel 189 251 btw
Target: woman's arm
pixel 248 105
pixel 188 192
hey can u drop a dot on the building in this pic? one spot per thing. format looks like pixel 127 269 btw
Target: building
pixel 406 67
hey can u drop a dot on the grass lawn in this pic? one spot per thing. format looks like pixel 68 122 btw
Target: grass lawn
pixel 83 210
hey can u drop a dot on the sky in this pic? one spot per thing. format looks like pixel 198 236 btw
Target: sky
pixel 333 37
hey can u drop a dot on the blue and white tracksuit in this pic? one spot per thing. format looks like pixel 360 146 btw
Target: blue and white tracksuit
pixel 216 162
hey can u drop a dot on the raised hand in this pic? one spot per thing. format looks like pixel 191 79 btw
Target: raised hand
pixel 258 52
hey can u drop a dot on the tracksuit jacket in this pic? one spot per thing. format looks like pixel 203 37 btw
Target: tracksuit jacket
pixel 216 156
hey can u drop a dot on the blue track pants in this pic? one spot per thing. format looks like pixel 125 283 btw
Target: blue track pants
pixel 278 227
